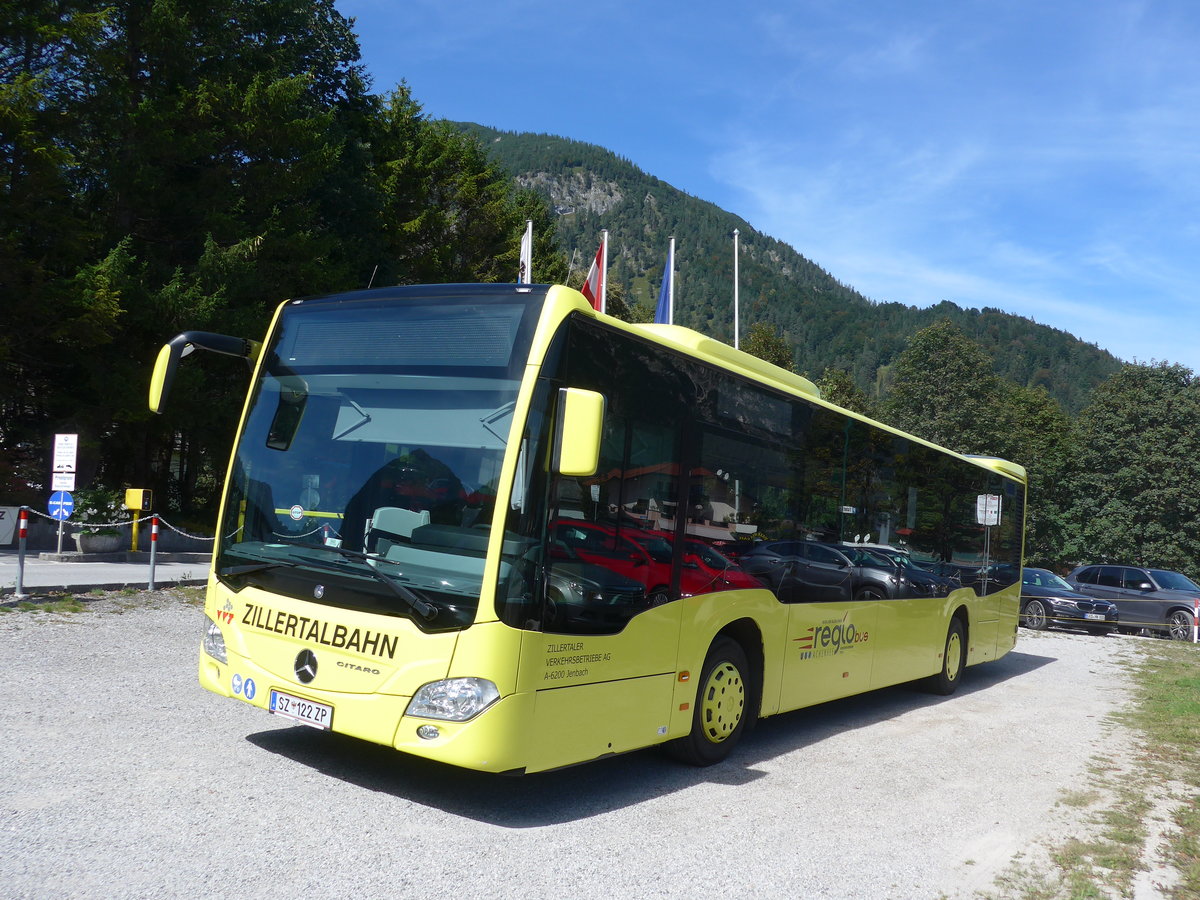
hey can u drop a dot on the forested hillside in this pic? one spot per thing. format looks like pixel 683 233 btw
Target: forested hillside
pixel 828 323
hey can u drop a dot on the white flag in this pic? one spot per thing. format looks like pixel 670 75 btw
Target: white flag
pixel 525 275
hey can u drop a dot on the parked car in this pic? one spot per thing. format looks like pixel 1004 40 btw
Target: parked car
pixel 707 569
pixel 806 571
pixel 1155 599
pixel 959 575
pixel 646 557
pixel 927 582
pixel 1048 600
pixel 585 598
pixel 896 576
pixel 799 571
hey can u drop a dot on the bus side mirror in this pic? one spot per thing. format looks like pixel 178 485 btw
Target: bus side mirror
pixel 293 397
pixel 164 373
pixel 180 346
pixel 580 428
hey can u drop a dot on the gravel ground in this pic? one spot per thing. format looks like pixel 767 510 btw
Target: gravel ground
pixel 123 778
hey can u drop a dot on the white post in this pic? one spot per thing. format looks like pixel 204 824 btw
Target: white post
pixel 153 547
pixel 671 283
pixel 604 271
pixel 736 340
pixel 22 534
pixel 1196 620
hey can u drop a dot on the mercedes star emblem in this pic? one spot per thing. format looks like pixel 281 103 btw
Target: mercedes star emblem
pixel 306 666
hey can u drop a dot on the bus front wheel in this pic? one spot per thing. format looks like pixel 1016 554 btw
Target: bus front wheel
pixel 720 711
pixel 954 659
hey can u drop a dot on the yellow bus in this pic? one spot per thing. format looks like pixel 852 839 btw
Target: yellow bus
pixel 487 525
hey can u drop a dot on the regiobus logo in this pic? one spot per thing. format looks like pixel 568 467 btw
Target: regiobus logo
pixel 830 638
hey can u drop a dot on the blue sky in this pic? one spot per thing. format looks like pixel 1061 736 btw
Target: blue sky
pixel 1040 157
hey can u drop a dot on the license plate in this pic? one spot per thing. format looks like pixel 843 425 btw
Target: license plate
pixel 1099 616
pixel 307 712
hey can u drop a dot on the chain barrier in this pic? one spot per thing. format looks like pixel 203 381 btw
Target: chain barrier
pixel 320 529
pixel 91 526
pixel 179 531
pixel 154 519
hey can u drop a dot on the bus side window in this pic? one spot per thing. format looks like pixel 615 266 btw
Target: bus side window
pixel 599 578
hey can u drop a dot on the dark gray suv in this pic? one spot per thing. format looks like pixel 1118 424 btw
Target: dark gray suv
pixel 1157 599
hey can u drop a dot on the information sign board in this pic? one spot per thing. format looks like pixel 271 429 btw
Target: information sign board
pixel 66 448
pixel 987 509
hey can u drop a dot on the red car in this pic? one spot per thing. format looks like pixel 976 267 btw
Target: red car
pixel 645 556
pixel 717 565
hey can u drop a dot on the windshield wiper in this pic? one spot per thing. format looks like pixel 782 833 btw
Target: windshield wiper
pixel 366 417
pixel 415 601
pixel 231 571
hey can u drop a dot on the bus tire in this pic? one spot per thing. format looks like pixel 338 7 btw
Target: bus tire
pixel 954 659
pixel 721 709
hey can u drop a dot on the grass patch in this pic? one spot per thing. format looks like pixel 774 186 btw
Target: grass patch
pixel 1079 799
pixel 1165 715
pixel 94 600
pixel 58 603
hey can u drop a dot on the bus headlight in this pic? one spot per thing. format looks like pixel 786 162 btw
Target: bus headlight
pixel 454 699
pixel 214 641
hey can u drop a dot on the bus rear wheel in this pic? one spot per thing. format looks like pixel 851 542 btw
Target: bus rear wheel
pixel 954 659
pixel 720 711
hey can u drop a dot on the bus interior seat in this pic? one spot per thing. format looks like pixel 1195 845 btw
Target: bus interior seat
pixel 394 524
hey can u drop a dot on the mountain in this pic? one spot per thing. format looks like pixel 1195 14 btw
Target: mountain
pixel 828 323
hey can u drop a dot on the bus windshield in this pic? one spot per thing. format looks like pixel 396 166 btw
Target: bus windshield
pixel 367 472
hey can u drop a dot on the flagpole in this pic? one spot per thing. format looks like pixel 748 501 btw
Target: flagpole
pixel 604 271
pixel 735 290
pixel 671 282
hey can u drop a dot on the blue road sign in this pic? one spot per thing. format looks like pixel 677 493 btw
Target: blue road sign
pixel 61 505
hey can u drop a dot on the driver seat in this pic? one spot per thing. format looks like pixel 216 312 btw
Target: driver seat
pixel 393 524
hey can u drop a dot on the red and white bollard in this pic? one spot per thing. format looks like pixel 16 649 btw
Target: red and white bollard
pixel 153 547
pixel 22 534
pixel 1196 620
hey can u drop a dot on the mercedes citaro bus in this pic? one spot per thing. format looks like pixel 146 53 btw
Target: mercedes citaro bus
pixel 390 561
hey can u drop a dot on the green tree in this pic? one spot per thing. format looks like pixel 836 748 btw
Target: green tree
pixel 1136 482
pixel 1031 429
pixel 838 387
pixel 765 342
pixel 448 213
pixel 944 390
pixel 173 165
pixel 45 50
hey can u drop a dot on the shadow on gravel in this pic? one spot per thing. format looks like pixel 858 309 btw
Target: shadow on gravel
pixel 611 783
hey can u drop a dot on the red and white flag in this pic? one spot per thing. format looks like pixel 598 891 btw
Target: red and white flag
pixel 593 285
